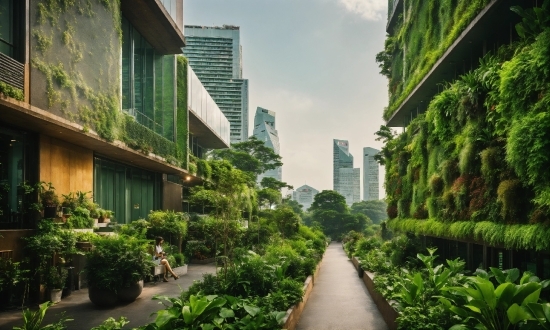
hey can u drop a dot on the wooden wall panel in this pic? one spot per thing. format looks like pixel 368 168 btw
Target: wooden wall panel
pixel 68 167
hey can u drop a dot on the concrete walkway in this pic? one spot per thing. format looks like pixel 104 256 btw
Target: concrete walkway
pixel 86 315
pixel 339 299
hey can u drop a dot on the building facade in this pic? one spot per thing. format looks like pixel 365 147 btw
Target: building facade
pixel 371 185
pixel 305 196
pixel 437 171
pixel 215 54
pixel 346 179
pixel 265 130
pixel 107 115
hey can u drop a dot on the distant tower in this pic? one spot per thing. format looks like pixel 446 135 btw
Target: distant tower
pixel 215 54
pixel 264 130
pixel 370 174
pixel 305 196
pixel 346 179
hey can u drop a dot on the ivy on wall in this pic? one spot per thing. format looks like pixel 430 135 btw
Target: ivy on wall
pixel 76 47
pixel 10 91
pixel 480 154
pixel 422 35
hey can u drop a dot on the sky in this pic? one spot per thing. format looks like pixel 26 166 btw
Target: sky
pixel 313 63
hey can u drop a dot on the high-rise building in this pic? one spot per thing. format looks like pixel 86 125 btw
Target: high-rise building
pixel 264 130
pixel 370 174
pixel 349 185
pixel 215 54
pixel 305 196
pixel 341 158
pixel 346 179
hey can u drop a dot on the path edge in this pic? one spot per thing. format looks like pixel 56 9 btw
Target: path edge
pixel 294 313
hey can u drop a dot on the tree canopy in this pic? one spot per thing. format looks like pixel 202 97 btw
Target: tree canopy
pixel 374 210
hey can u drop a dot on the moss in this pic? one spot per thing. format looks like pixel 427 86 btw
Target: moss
pixel 43 42
pixel 182 143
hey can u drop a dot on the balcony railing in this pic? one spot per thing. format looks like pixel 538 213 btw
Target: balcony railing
pixel 12 72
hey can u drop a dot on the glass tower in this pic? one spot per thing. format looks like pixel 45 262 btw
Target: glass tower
pixel 346 179
pixel 215 54
pixel 370 174
pixel 264 130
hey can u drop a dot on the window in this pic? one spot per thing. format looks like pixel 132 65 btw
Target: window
pixel 10 28
pixel 148 83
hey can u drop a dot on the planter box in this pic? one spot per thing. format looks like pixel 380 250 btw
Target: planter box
pixel 181 270
pixel 293 314
pixel 84 230
pixel 389 314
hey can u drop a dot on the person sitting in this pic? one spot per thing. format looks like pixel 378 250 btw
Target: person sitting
pixel 160 258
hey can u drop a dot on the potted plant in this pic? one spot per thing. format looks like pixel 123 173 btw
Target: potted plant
pixel 55 281
pixel 80 219
pixel 115 269
pixel 48 199
pixel 107 215
pixel 69 203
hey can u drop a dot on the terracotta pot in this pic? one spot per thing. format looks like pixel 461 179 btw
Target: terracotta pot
pixel 130 293
pixel 102 297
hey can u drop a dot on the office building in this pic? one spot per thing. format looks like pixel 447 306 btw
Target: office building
pixel 96 108
pixel 371 184
pixel 305 196
pixel 346 179
pixel 215 54
pixel 265 130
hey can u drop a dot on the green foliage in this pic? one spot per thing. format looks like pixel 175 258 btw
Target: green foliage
pixel 145 140
pixel 112 324
pixel 80 219
pixel 436 26
pixel 166 223
pixel 375 210
pixel 130 255
pixel 10 91
pixel 32 320
pixel 213 311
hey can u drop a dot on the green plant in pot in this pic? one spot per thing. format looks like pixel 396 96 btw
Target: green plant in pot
pixel 116 267
pixel 70 202
pixel 48 199
pixel 80 219
pixel 55 281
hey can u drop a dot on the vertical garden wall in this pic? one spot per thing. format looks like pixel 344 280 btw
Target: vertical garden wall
pixel 422 34
pixel 75 61
pixel 476 163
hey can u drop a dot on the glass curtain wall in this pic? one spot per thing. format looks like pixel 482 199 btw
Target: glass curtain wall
pixel 130 192
pixel 148 83
pixel 18 166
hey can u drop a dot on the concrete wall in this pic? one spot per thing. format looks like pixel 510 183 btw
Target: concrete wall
pixel 68 167
pixel 172 196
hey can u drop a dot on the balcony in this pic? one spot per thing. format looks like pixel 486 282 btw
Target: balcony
pixel 154 22
pixel 491 28
pixel 12 72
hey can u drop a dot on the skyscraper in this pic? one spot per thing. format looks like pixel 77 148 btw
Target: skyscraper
pixel 346 179
pixel 215 54
pixel 370 174
pixel 341 158
pixel 305 196
pixel 264 130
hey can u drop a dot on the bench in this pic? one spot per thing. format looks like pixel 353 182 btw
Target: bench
pixel 157 272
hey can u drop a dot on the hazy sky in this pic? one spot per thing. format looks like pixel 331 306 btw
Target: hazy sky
pixel 313 63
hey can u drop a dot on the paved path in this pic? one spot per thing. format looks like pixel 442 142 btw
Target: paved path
pixel 339 299
pixel 86 315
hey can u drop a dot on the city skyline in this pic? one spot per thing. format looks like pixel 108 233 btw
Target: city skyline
pixel 371 182
pixel 346 179
pixel 319 89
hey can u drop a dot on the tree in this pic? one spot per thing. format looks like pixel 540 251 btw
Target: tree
pixel 329 200
pixel 250 156
pixel 296 207
pixel 329 209
pixel 374 210
pixel 268 196
pixel 272 183
pixel 288 222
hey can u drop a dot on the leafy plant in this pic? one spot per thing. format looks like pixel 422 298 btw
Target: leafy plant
pixel 32 320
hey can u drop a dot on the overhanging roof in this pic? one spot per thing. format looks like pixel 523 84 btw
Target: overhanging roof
pixel 207 137
pixel 34 119
pixel 154 23
pixel 493 22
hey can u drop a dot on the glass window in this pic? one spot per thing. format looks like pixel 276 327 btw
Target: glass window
pixel 6 27
pixel 148 83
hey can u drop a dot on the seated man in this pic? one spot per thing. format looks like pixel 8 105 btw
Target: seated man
pixel 160 258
